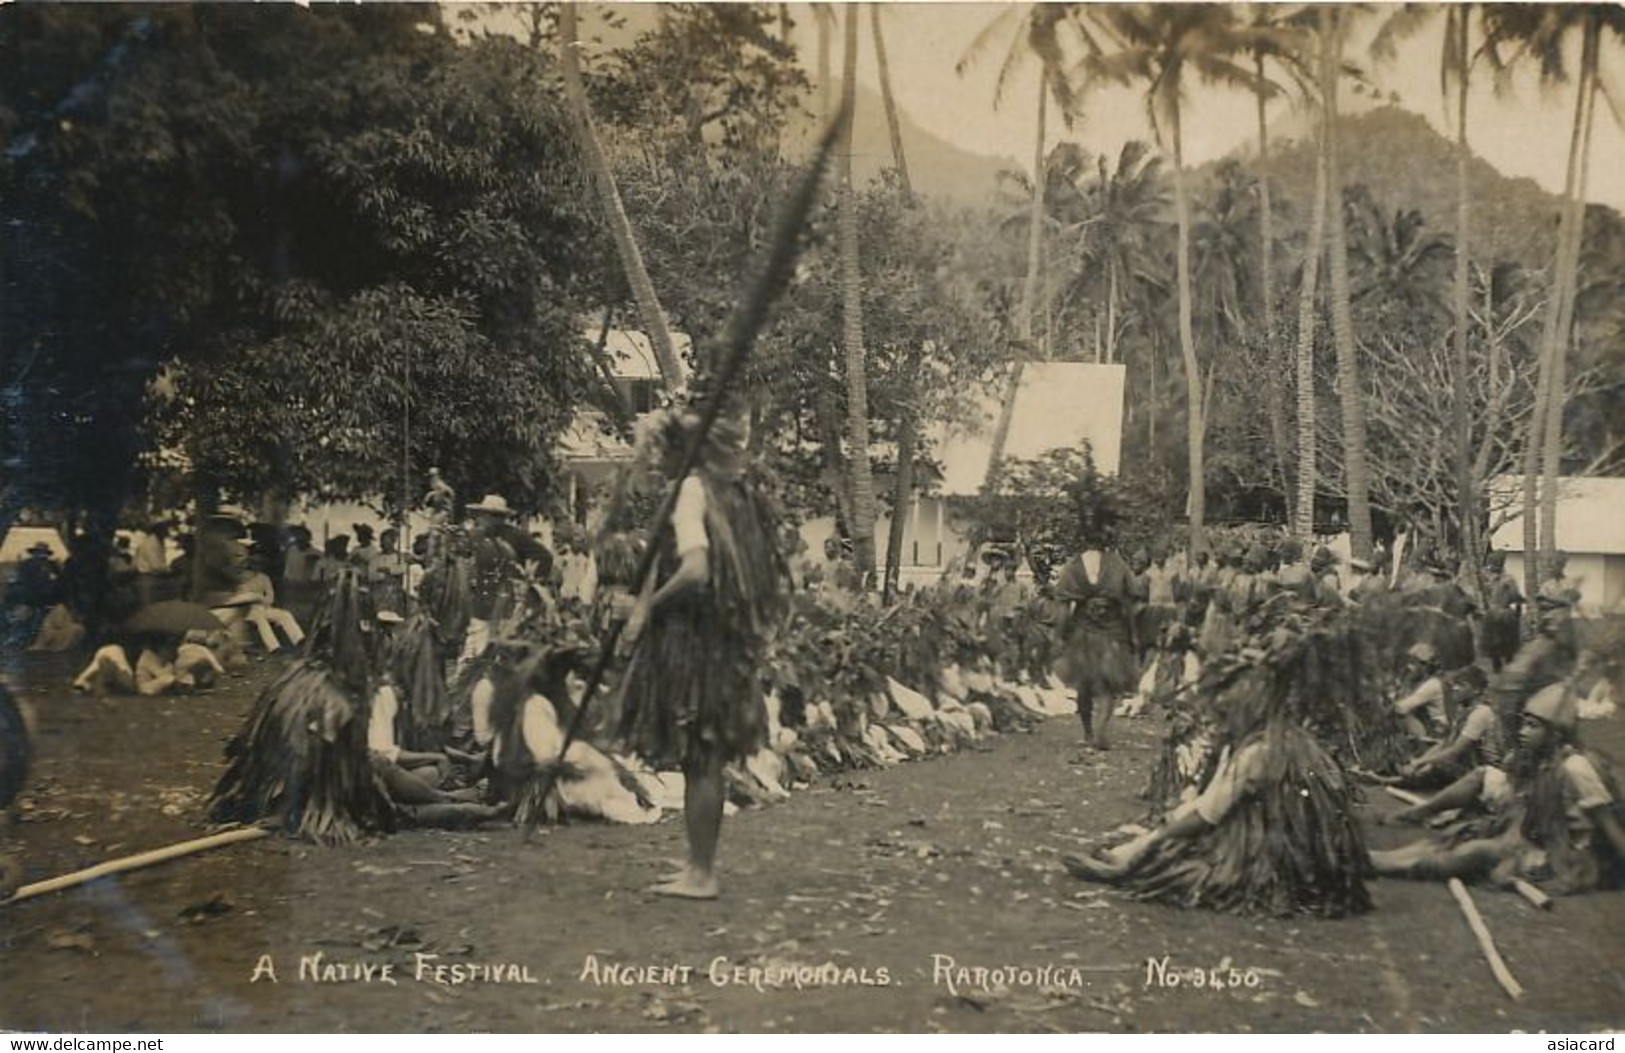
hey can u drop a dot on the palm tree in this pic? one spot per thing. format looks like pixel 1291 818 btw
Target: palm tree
pixel 1357 479
pixel 1456 60
pixel 893 125
pixel 1273 37
pixel 1161 42
pixel 1032 30
pixel 1121 208
pixel 1399 262
pixel 1308 473
pixel 609 198
pixel 857 389
pixel 908 419
pixel 1540 32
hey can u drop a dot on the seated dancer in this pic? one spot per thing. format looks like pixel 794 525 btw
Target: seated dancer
pixel 1548 814
pixel 692 693
pixel 301 760
pixel 1272 830
pixel 1097 640
pixel 16 751
pixel 1545 658
pixel 532 703
pixel 1428 696
pixel 1476 737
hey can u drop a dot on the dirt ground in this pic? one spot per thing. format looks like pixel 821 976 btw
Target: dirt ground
pixel 906 880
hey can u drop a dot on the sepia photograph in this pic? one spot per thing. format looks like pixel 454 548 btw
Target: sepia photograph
pixel 752 518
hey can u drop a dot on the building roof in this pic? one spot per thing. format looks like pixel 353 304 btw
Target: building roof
pixel 631 356
pixel 588 439
pixel 1060 405
pixel 1590 514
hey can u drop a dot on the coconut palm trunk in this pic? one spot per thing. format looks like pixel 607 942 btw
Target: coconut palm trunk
pixel 902 499
pixel 1567 281
pixel 1274 364
pixel 1196 505
pixel 894 126
pixel 609 198
pixel 857 390
pixel 1029 289
pixel 907 418
pixel 1536 548
pixel 1304 521
pixel 1466 495
pixel 1356 474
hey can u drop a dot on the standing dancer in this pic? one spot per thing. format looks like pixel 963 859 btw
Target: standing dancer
pixel 1097 649
pixel 693 693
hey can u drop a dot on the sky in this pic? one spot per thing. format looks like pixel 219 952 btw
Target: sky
pixel 1524 133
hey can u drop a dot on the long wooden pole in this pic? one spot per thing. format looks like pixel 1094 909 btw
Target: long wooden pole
pixel 136 862
pixel 731 352
pixel 1485 942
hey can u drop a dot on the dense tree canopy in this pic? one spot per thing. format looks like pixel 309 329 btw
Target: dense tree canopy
pixel 316 251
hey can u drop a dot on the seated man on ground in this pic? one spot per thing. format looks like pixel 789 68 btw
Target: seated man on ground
pixel 1548 814
pixel 412 777
pixel 1429 695
pixel 1476 737
pixel 1272 830
pixel 162 667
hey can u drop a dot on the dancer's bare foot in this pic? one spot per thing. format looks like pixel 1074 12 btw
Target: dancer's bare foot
pixel 1092 868
pixel 689 885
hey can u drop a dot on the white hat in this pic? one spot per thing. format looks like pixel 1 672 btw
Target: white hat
pixel 493 503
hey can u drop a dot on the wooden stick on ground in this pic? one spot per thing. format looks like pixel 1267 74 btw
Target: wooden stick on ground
pixel 1404 795
pixel 1537 899
pixel 136 862
pixel 1485 942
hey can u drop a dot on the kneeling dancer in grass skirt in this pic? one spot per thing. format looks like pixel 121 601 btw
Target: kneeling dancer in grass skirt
pixel 692 691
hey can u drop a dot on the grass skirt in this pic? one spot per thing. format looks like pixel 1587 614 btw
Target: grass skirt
pixel 1097 664
pixel 1294 847
pixel 691 689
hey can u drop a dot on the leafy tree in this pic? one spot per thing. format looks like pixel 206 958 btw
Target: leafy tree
pixel 327 220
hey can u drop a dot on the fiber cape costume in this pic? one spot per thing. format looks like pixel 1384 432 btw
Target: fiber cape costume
pixel 694 683
pixel 300 760
pixel 1097 656
pixel 1289 842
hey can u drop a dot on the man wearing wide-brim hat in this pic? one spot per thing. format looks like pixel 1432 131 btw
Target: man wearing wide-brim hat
pixel 491 505
pixel 492 578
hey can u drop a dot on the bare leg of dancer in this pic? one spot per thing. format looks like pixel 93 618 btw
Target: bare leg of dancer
pixel 703 797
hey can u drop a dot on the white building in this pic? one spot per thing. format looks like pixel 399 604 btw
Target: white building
pixel 590 449
pixel 1590 532
pixel 1060 405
